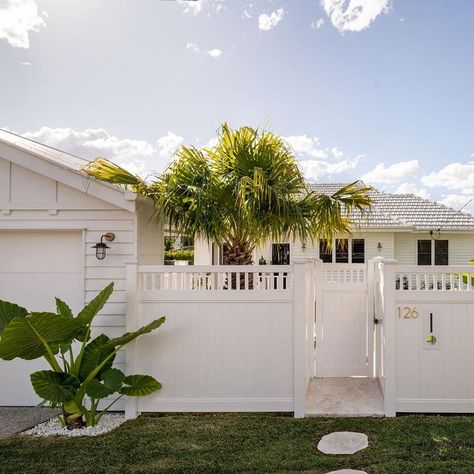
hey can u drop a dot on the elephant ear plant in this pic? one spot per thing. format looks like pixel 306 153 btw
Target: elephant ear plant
pixel 77 382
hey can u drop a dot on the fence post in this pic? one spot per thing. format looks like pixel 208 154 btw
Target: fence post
pixel 370 318
pixel 300 269
pixel 318 296
pixel 390 335
pixel 131 406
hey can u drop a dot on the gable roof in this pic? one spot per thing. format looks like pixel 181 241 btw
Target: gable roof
pixel 63 167
pixel 404 211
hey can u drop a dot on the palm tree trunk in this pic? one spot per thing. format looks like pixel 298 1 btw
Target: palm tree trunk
pixel 238 252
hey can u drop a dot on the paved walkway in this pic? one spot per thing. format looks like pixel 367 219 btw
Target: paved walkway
pixel 16 419
pixel 345 397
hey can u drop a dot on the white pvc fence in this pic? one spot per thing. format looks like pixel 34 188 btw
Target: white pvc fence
pixel 242 338
pixel 235 338
pixel 424 343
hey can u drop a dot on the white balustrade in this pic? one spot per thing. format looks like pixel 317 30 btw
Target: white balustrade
pixel 215 278
pixel 434 278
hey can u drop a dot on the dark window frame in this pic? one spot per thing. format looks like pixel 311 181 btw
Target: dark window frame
pixel 361 254
pixel 441 256
pixel 342 251
pixel 435 252
pixel 281 253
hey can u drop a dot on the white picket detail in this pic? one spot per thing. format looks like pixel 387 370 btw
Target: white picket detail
pixel 342 273
pixel 434 278
pixel 216 278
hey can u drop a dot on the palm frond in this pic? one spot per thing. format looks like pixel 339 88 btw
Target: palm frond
pixel 105 170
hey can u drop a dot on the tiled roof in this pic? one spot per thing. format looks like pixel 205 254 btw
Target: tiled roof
pixel 404 211
pixel 59 157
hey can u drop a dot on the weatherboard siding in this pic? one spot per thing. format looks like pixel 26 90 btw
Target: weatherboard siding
pixel 30 201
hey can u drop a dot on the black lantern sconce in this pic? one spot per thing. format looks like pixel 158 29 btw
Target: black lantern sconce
pixel 101 247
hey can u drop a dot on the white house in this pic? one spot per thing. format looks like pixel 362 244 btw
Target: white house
pixel 256 345
pixel 405 227
pixel 51 216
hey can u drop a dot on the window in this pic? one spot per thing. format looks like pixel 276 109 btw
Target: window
pixel 424 252
pixel 433 252
pixel 325 252
pixel 280 254
pixel 342 251
pixel 358 251
pixel 441 252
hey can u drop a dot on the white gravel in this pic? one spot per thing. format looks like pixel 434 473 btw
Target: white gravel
pixel 53 427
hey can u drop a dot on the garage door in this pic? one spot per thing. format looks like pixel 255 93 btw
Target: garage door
pixel 34 268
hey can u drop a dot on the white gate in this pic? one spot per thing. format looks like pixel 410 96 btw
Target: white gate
pixel 343 329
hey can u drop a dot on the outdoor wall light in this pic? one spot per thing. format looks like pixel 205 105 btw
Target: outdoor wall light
pixel 101 247
pixel 379 246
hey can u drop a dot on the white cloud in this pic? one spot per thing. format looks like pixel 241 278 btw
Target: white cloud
pixel 90 143
pixel 214 53
pixel 168 144
pixel 193 47
pixel 306 146
pixel 336 153
pixel 197 6
pixel 314 170
pixel 267 22
pixel 17 19
pixel 392 174
pixel 211 143
pixel 317 161
pixel 24 63
pixel 455 176
pixel 138 156
pixel 354 15
pixel 316 24
pixel 412 188
pixel 458 201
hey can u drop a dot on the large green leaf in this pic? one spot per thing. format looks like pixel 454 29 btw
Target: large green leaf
pixel 94 354
pixel 63 308
pixel 29 337
pixel 56 387
pixel 8 311
pixel 108 383
pixel 130 336
pixel 89 311
pixel 139 385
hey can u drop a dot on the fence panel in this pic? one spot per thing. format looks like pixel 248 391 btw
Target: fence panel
pixel 433 324
pixel 228 343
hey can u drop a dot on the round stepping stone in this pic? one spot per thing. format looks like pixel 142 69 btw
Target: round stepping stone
pixel 347 471
pixel 343 442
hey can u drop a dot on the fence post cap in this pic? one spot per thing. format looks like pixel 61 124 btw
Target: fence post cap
pixel 389 261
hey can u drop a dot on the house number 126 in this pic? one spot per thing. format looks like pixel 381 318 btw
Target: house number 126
pixel 407 313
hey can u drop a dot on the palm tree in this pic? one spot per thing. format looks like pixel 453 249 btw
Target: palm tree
pixel 242 192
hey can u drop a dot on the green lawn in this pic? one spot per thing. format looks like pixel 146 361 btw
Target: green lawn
pixel 263 443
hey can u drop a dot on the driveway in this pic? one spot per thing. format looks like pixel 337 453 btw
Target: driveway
pixel 16 419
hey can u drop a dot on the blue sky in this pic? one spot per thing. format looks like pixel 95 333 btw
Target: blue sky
pixel 373 89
